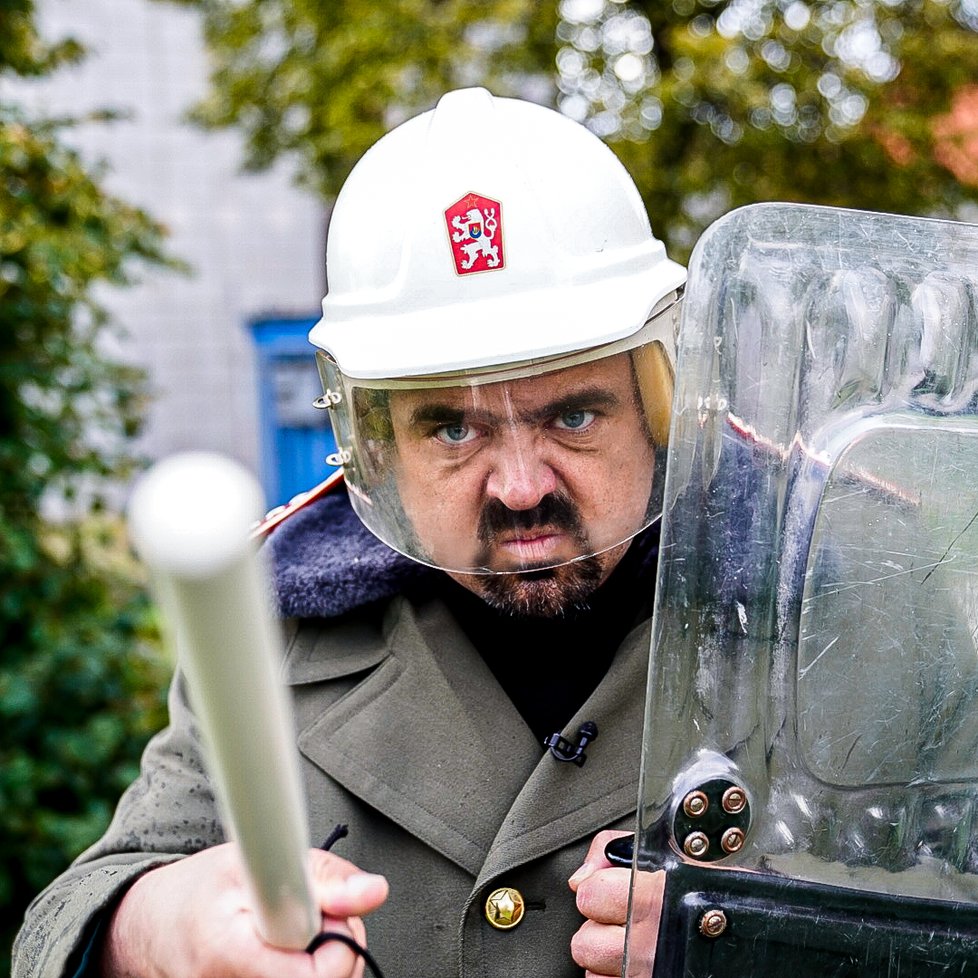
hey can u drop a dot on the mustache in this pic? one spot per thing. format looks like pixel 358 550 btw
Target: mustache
pixel 555 510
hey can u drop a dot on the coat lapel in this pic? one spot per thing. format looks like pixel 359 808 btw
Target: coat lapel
pixel 430 739
pixel 560 802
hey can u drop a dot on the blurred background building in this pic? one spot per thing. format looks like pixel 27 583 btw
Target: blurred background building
pixel 710 106
pixel 254 242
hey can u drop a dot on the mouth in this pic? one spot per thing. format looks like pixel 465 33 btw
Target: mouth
pixel 528 547
pixel 514 541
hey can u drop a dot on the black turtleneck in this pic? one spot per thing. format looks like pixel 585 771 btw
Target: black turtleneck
pixel 550 666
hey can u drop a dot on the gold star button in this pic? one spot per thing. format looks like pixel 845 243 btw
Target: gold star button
pixel 504 908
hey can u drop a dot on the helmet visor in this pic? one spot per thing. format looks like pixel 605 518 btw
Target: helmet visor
pixel 509 470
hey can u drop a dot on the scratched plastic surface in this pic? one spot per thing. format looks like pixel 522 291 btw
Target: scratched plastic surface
pixel 817 607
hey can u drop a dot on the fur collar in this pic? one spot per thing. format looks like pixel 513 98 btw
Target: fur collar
pixel 326 562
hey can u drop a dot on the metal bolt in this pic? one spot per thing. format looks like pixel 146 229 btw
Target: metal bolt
pixel 695 804
pixel 713 923
pixel 732 840
pixel 327 400
pixel 734 800
pixel 696 844
pixel 340 457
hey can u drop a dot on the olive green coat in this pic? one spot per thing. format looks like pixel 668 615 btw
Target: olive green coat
pixel 405 736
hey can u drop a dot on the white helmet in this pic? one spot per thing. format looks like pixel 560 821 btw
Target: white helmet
pixel 565 259
pixel 477 245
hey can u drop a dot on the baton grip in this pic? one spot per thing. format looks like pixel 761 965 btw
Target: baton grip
pixel 189 520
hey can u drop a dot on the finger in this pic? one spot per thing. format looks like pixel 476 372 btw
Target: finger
pixel 647 894
pixel 360 936
pixel 328 957
pixel 327 865
pixel 599 948
pixel 595 858
pixel 239 951
pixel 343 890
pixel 353 896
pixel 603 896
pixel 335 960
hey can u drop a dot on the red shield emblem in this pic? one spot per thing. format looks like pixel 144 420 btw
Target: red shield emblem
pixel 475 232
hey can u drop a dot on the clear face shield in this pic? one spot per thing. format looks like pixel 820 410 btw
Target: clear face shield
pixel 510 469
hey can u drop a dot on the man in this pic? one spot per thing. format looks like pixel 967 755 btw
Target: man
pixel 495 348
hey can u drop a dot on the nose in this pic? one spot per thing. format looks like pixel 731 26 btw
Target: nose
pixel 520 476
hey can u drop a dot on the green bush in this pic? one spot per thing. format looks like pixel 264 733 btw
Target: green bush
pixel 81 686
pixel 81 690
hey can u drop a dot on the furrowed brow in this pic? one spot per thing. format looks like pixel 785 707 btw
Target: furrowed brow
pixel 589 398
pixel 435 415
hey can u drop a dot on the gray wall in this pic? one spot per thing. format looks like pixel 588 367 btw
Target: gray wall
pixel 255 242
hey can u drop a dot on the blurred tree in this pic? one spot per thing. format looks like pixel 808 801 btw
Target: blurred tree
pixel 79 695
pixel 710 103
pixel 725 103
pixel 323 81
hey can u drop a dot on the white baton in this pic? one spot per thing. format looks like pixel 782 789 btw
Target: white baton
pixel 189 520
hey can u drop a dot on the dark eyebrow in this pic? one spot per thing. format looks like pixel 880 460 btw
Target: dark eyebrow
pixel 435 415
pixel 588 397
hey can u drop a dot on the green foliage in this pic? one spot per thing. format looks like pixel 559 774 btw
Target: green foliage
pixel 323 81
pixel 822 102
pixel 22 50
pixel 80 689
pixel 710 103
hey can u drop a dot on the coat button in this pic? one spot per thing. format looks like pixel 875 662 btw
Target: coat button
pixel 504 908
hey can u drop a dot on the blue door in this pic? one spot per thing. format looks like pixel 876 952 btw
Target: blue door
pixel 295 437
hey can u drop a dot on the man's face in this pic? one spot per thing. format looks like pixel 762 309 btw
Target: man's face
pixel 524 475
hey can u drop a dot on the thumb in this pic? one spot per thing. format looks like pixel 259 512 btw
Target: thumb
pixel 342 889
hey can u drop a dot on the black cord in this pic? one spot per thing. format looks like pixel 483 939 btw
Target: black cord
pixel 340 832
pixel 330 935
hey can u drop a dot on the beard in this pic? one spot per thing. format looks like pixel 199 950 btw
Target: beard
pixel 542 592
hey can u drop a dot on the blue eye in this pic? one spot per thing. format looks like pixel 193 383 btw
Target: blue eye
pixel 574 420
pixel 455 434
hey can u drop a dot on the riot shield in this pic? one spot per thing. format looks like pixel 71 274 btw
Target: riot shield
pixel 810 765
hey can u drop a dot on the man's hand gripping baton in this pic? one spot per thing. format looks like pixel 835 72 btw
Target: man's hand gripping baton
pixel 189 519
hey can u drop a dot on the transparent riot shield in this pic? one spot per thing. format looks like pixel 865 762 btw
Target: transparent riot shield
pixel 810 766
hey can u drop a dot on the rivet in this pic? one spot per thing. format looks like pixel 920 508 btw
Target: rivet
pixel 695 804
pixel 696 844
pixel 328 400
pixel 340 457
pixel 713 923
pixel 732 840
pixel 734 800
